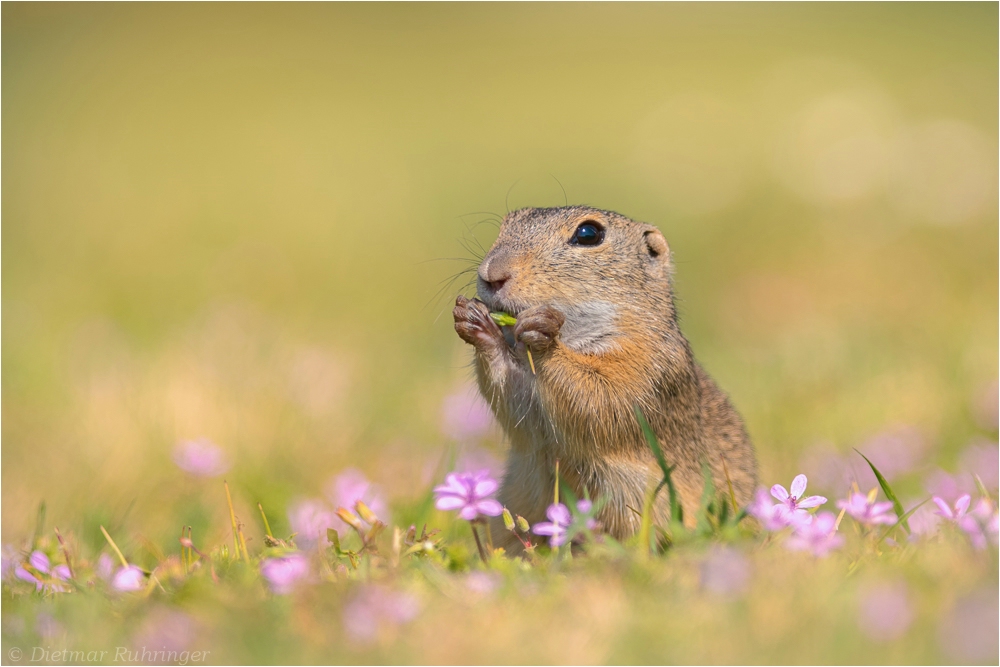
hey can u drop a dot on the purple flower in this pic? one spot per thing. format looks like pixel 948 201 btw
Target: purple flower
pixel 129 578
pixel 350 486
pixel 476 459
pixel 105 567
pixel 470 493
pixel 981 524
pixel 818 536
pixel 968 633
pixel 555 527
pixel 867 512
pixel 923 521
pixel 62 572
pixel 465 416
pixel 284 573
pixel 309 520
pixel 24 575
pixel 39 561
pixel 482 583
pixel 792 499
pixel 585 509
pixel 377 608
pixel 725 571
pixel 200 457
pixel 775 516
pixel 961 507
pixel 885 611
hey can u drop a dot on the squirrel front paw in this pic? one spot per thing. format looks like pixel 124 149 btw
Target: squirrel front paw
pixel 538 327
pixel 474 324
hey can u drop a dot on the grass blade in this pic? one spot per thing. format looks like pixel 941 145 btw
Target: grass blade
pixel 902 519
pixel 896 505
pixel 676 512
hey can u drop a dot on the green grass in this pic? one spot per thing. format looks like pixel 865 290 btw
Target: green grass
pixel 220 221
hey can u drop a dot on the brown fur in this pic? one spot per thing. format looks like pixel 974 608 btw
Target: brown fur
pixel 601 325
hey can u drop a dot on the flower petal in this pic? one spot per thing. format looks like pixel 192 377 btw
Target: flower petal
pixel 798 486
pixel 469 512
pixel 489 507
pixel 485 487
pixel 943 508
pixel 779 492
pixel 449 502
pixel 962 505
pixel 811 501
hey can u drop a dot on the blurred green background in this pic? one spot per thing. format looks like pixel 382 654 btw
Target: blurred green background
pixel 218 221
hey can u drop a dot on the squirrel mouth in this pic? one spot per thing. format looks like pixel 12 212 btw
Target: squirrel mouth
pixel 500 305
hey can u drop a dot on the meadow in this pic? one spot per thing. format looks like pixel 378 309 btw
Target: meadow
pixel 230 241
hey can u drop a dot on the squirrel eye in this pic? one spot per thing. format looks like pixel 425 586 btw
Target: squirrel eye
pixel 588 233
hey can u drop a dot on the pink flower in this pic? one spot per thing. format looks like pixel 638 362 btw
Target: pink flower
pixel 39 561
pixel 200 457
pixel 868 513
pixel 775 516
pixel 981 524
pixel 309 520
pixel 105 567
pixel 725 571
pixel 350 486
pixel 585 510
pixel 967 634
pixel 129 578
pixel 21 573
pixel 470 493
pixel 885 611
pixel 793 499
pixel 818 536
pixel 377 608
pixel 555 527
pixel 284 573
pixel 961 507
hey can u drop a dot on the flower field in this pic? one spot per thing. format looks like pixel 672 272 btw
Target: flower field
pixel 238 426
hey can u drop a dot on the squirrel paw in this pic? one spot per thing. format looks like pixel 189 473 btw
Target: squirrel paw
pixel 474 324
pixel 538 327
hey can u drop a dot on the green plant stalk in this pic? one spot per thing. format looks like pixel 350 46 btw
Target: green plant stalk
pixel 232 518
pixel 267 526
pixel 896 505
pixel 676 511
pixel 115 547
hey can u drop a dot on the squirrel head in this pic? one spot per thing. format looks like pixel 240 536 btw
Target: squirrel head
pixel 600 269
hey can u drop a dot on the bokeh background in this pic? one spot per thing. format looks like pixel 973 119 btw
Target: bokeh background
pixel 239 222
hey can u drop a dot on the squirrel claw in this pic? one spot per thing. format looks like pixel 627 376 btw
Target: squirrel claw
pixel 538 327
pixel 474 324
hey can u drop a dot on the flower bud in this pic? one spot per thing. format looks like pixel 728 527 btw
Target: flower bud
pixel 522 524
pixel 365 513
pixel 508 520
pixel 350 519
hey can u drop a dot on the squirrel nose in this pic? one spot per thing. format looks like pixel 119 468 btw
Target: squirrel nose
pixel 494 274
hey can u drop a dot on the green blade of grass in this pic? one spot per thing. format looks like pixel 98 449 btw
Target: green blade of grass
pixel 676 512
pixel 896 505
pixel 707 496
pixel 903 518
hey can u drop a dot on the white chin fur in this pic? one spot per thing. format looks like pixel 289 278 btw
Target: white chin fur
pixel 590 327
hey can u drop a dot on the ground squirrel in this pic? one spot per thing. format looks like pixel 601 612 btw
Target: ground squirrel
pixel 591 291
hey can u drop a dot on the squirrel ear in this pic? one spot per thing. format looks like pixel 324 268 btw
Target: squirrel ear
pixel 655 243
